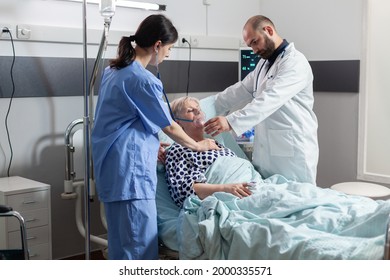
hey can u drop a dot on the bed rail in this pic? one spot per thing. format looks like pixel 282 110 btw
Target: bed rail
pixel 387 244
pixel 69 150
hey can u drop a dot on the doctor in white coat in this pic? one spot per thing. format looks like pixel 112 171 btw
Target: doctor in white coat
pixel 277 99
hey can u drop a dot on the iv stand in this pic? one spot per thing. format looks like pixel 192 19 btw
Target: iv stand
pixel 88 121
pixel 86 137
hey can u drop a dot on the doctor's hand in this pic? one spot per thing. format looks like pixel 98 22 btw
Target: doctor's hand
pixel 161 152
pixel 216 126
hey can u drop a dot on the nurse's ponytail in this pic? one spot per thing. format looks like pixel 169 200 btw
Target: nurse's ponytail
pixel 126 54
pixel 152 29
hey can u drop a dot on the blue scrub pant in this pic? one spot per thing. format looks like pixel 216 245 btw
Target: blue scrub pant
pixel 132 230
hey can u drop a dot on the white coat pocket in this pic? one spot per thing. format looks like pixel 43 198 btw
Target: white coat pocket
pixel 281 142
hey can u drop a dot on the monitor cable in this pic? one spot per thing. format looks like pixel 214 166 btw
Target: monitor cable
pixel 184 40
pixel 5 29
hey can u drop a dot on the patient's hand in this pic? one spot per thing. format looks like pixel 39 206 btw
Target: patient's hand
pixel 238 189
pixel 162 153
pixel 203 190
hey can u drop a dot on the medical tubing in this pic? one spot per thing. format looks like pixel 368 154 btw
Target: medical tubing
pixel 98 60
pixel 198 120
pixel 169 106
pixel 96 67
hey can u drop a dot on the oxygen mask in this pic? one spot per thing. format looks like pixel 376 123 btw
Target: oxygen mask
pixel 198 120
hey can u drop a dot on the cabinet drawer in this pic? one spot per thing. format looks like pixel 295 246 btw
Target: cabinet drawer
pixel 39 252
pixel 35 236
pixel 33 218
pixel 29 201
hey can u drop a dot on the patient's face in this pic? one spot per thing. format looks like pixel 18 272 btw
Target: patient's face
pixel 191 111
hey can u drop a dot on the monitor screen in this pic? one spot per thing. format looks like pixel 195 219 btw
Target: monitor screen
pixel 247 62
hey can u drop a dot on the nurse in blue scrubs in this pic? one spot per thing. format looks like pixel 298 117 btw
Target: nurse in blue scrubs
pixel 129 113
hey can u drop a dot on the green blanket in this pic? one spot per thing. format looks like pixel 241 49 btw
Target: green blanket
pixel 280 220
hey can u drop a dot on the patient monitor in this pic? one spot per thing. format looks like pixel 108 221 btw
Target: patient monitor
pixel 247 62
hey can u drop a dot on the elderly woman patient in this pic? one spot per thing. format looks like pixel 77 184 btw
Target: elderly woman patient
pixel 185 168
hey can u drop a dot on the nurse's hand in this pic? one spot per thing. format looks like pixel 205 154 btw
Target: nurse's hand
pixel 161 152
pixel 216 126
pixel 207 144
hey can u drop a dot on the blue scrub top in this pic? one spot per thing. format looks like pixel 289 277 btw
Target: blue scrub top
pixel 129 113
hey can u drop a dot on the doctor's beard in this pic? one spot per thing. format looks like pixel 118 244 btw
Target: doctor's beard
pixel 268 49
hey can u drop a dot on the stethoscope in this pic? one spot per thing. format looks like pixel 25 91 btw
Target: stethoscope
pixel 258 74
pixel 167 100
pixel 165 95
pixel 261 68
pixel 281 51
pixel 163 90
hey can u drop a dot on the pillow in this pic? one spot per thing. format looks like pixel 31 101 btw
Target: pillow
pixel 208 107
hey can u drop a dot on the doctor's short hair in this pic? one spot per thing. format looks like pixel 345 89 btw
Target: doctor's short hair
pixel 259 21
pixel 152 29
pixel 180 103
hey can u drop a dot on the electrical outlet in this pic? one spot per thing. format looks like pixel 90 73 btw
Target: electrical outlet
pixel 181 43
pixel 4 34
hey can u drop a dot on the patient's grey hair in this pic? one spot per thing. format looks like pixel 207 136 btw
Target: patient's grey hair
pixel 179 104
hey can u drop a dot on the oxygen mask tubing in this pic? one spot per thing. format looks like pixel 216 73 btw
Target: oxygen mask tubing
pixel 199 119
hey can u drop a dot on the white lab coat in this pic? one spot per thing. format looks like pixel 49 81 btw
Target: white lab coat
pixel 279 104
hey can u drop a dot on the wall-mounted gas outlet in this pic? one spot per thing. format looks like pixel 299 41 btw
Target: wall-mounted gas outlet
pixel 195 41
pixel 23 31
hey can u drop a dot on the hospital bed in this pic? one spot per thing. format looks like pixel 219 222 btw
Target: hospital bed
pixel 282 219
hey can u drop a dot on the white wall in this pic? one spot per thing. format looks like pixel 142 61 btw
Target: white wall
pixel 322 30
pixel 374 136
